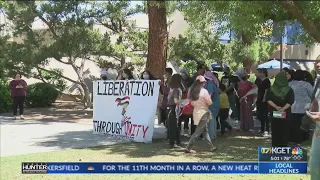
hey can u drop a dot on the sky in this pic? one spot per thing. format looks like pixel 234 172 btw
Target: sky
pixel 140 18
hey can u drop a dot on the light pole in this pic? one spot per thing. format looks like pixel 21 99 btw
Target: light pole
pixel 281 51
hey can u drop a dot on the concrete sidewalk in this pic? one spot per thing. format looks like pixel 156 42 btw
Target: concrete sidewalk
pixel 29 136
pixel 34 136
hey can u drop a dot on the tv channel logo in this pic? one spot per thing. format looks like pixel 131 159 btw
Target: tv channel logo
pixel 275 150
pixel 297 151
pixel 90 168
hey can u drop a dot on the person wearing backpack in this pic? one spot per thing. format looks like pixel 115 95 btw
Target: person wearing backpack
pixel 186 112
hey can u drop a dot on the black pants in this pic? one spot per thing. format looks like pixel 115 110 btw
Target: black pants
pixel 280 132
pixel 262 108
pixel 185 119
pixel 218 122
pixel 173 130
pixel 296 135
pixel 18 102
pixel 163 115
pixel 224 114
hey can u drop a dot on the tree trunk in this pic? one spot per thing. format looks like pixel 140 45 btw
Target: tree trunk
pixel 247 63
pixel 157 41
pixel 308 25
pixel 86 96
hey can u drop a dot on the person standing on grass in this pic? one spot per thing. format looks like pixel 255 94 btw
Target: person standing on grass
pixel 231 83
pixel 302 100
pixel 185 115
pixel 245 92
pixel 262 105
pixel 280 97
pixel 164 91
pixel 314 114
pixel 224 110
pixel 200 100
pixel 18 89
pixel 213 88
pixel 174 100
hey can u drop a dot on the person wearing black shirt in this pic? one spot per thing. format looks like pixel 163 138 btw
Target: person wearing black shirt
pixel 231 83
pixel 280 97
pixel 263 84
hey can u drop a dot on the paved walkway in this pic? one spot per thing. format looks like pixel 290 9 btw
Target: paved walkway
pixel 34 136
pixel 29 136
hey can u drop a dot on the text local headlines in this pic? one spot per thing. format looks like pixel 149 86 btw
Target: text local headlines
pixel 272 160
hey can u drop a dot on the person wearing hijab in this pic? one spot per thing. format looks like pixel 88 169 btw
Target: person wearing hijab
pixel 213 88
pixel 280 97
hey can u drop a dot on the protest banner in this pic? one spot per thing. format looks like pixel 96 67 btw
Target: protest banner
pixel 125 108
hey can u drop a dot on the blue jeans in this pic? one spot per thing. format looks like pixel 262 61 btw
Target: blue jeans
pixel 315 155
pixel 212 128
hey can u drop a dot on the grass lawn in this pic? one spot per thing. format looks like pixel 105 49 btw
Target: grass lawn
pixel 241 147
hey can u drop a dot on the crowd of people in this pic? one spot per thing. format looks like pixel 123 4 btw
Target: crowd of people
pixel 204 102
pixel 290 105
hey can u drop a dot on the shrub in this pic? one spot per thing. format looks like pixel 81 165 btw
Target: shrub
pixel 41 95
pixel 5 97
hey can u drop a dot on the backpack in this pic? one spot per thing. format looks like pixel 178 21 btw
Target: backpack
pixel 187 109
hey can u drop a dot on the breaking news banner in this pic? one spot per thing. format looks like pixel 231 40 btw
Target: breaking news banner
pixel 157 168
pixel 284 160
pixel 125 109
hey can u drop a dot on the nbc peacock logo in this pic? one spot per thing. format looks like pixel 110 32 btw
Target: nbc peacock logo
pixel 90 168
pixel 297 151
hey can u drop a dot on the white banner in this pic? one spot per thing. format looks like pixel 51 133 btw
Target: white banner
pixel 125 109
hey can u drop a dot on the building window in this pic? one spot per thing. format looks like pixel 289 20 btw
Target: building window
pixel 306 52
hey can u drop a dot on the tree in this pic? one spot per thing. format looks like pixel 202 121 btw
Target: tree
pixel 203 46
pixel 130 41
pixel 251 21
pixel 3 42
pixel 158 35
pixel 68 39
pixel 307 14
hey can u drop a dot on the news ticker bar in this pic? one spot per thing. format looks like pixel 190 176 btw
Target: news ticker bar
pixel 164 168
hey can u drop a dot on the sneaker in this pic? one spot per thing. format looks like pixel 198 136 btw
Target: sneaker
pixel 265 134
pixel 14 118
pixel 21 117
pixel 174 146
pixel 213 149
